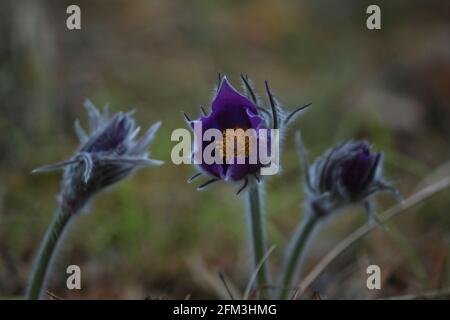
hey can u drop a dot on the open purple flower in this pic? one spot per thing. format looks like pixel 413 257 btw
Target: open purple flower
pixel 243 115
pixel 231 110
pixel 109 154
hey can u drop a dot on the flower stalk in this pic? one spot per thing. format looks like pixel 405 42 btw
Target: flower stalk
pixel 346 175
pixel 108 155
pixel 294 254
pixel 234 154
pixel 257 234
pixel 47 252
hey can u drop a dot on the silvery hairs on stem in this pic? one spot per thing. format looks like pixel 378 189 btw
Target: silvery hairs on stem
pixel 107 155
pixel 347 174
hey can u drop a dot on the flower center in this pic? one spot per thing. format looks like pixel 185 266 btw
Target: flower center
pixel 235 142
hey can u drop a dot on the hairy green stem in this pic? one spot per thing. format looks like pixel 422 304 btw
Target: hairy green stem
pixel 258 244
pixel 292 263
pixel 46 253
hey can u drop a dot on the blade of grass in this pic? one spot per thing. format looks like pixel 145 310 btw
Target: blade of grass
pixel 210 280
pixel 256 271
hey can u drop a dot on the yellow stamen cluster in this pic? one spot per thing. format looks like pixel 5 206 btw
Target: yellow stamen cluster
pixel 241 139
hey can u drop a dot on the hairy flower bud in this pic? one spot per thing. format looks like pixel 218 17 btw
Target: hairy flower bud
pixel 349 173
pixel 109 154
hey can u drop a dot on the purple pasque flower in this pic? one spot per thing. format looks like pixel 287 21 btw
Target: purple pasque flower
pixel 232 110
pixel 108 154
pixel 349 173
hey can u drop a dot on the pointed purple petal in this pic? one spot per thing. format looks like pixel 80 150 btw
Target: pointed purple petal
pixel 228 96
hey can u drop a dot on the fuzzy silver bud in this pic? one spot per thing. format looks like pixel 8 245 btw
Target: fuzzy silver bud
pixel 107 155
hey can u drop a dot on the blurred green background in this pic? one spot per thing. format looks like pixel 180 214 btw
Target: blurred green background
pixel 155 235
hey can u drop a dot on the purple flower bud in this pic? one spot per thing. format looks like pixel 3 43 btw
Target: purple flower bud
pixel 346 174
pixel 350 168
pixel 109 154
pixel 360 169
